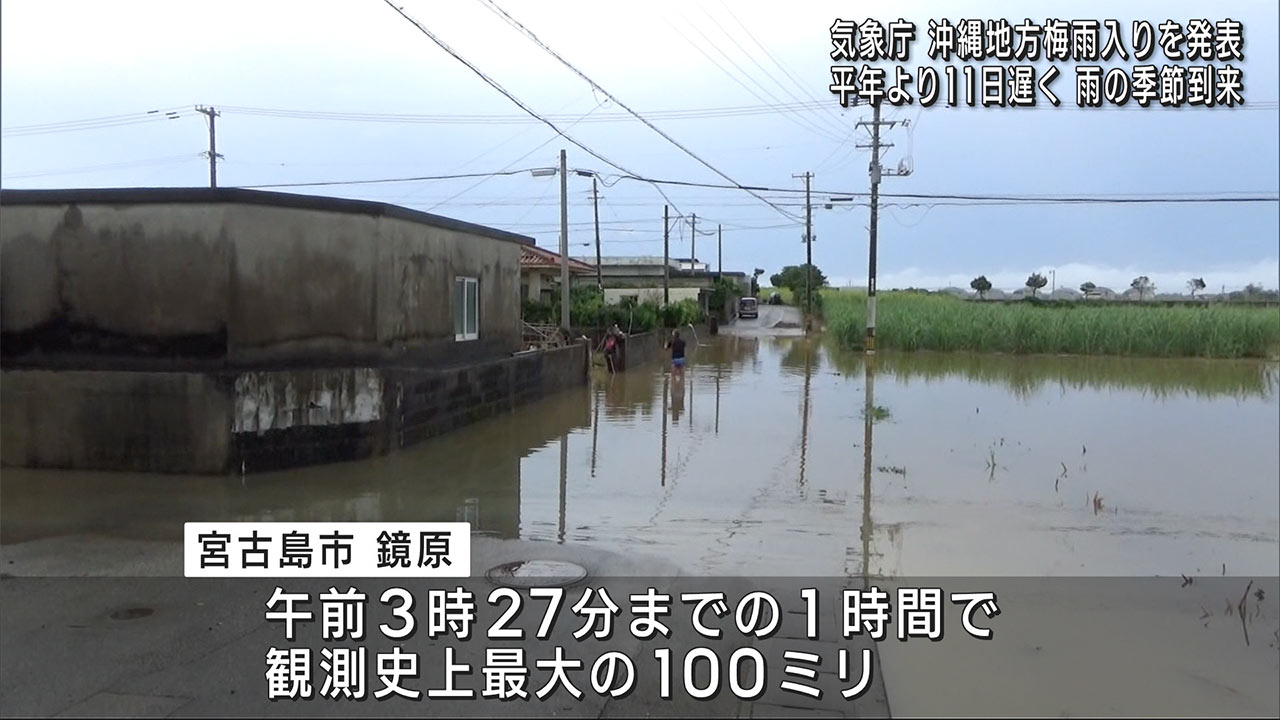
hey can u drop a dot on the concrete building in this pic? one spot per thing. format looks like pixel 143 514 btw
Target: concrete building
pixel 210 330
pixel 242 278
pixel 640 279
pixel 540 273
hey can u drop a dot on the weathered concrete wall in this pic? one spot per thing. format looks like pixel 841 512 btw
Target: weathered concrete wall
pixel 145 422
pixel 260 420
pixel 188 285
pixel 645 348
pixel 652 294
pixel 432 403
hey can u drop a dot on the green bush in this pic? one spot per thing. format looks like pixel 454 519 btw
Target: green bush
pixel 682 313
pixel 537 313
pixel 721 292
pixel 587 309
pixel 798 295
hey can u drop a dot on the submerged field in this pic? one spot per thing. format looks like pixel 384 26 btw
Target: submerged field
pixel 914 321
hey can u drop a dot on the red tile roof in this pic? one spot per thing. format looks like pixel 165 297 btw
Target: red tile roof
pixel 535 257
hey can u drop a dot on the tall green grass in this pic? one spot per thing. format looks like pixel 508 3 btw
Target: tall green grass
pixel 915 321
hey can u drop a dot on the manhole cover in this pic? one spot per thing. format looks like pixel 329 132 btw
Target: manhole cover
pixel 536 573
pixel 131 613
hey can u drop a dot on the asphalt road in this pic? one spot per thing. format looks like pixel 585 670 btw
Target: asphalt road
pixel 773 320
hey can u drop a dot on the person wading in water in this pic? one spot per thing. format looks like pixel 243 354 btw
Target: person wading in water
pixel 611 342
pixel 676 344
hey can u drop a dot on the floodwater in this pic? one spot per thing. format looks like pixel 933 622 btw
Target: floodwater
pixel 784 456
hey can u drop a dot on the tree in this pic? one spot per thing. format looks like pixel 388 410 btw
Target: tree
pixel 1036 281
pixel 722 291
pixel 982 285
pixel 1088 289
pixel 1143 285
pixel 755 281
pixel 793 278
pixel 1195 284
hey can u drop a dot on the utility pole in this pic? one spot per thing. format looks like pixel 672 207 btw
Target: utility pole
pixel 693 242
pixel 876 172
pixel 808 251
pixel 666 260
pixel 719 252
pixel 564 245
pixel 595 202
pixel 213 145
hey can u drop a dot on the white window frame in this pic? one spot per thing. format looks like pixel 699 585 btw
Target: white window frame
pixel 474 315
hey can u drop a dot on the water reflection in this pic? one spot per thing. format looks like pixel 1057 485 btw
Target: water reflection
pixel 474 473
pixel 677 399
pixel 1184 454
pixel 1027 375
pixel 804 411
pixel 866 529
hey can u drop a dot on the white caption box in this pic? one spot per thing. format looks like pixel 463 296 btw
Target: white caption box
pixel 325 550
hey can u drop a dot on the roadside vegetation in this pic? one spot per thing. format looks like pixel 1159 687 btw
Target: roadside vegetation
pixel 794 281
pixel 588 310
pixel 934 321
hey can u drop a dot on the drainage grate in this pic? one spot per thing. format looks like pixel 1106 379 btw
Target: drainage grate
pixel 536 573
pixel 132 613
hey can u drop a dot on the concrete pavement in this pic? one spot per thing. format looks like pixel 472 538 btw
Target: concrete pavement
pixel 779 320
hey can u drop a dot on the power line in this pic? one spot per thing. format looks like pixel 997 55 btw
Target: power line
pixel 615 100
pixel 827 105
pixel 947 196
pixel 803 121
pixel 541 145
pixel 767 108
pixel 968 199
pixel 800 108
pixel 494 84
pixel 459 176
pixel 108 121
pixel 838 125
pixel 123 165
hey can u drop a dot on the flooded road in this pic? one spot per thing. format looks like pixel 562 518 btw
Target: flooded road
pixel 781 456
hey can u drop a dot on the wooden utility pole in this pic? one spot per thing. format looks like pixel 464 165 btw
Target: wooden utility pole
pixel 666 259
pixel 213 145
pixel 595 201
pixel 719 252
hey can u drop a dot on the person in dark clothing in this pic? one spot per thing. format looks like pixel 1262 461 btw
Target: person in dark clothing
pixel 676 344
pixel 612 341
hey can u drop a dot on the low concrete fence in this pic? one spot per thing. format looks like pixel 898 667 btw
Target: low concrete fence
pixel 641 349
pixel 225 422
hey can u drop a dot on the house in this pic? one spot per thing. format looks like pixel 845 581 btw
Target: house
pixel 235 277
pixel 215 330
pixel 641 278
pixel 540 273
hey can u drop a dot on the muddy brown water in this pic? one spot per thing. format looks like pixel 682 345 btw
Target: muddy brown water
pixel 769 458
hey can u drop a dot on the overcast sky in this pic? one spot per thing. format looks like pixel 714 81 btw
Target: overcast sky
pixel 72 61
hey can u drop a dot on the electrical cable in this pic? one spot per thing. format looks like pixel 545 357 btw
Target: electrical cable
pixel 622 105
pixel 494 84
